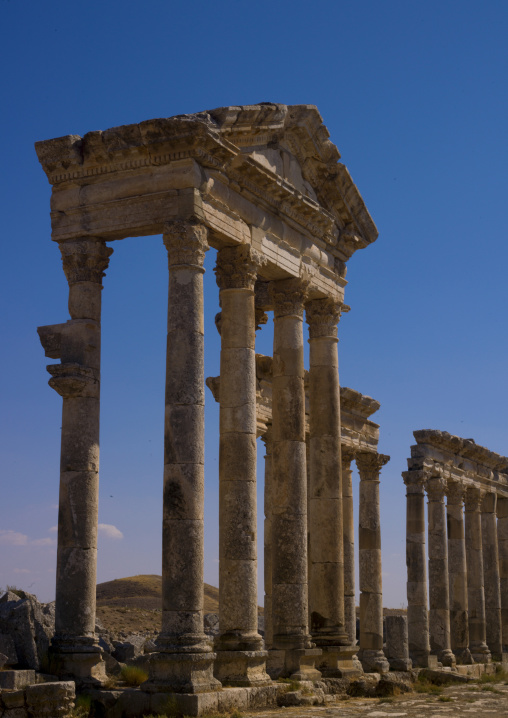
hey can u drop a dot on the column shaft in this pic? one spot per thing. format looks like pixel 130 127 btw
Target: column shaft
pixel 502 539
pixel 439 603
pixel 326 565
pixel 491 576
pixel 416 561
pixel 475 590
pixel 457 573
pixel 267 438
pixel 348 533
pixel 371 587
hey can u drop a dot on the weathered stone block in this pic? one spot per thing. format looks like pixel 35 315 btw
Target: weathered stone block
pixel 16 679
pixel 51 700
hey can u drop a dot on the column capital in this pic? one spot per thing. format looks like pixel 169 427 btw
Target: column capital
pixel 489 502
pixel 370 464
pixel 473 498
pixel 237 267
pixel 347 454
pixel 455 491
pixel 186 242
pixel 436 489
pixel 288 296
pixel 322 316
pixel 415 481
pixel 85 260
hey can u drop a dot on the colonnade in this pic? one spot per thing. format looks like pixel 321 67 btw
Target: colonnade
pixel 461 618
pixel 306 505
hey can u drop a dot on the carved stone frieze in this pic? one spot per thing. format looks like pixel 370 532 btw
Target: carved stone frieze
pixel 237 267
pixel 186 243
pixel 288 296
pixel 322 317
pixel 85 260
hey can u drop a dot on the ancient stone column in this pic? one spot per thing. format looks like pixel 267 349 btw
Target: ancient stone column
pixel 439 597
pixel 240 659
pixel 289 481
pixel 348 534
pixel 267 439
pixel 326 579
pixel 397 650
pixel 457 572
pixel 475 592
pixel 491 578
pixel 416 560
pixel 75 652
pixel 371 589
pixel 502 540
pixel 185 659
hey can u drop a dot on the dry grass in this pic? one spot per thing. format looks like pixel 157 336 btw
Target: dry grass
pixel 133 676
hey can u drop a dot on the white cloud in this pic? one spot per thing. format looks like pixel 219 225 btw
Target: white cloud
pixel 110 531
pixel 53 530
pixel 43 542
pixel 21 570
pixel 12 538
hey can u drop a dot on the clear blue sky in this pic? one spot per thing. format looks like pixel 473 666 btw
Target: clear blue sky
pixel 414 95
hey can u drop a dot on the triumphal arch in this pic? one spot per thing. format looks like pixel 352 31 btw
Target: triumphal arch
pixel 264 186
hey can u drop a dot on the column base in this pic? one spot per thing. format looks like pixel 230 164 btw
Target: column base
pixel 296 663
pixel 241 668
pixel 340 662
pixel 181 673
pixel 480 653
pixel 463 656
pixel 447 658
pixel 80 663
pixel 373 661
pixel 400 664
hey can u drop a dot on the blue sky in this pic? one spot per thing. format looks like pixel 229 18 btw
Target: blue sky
pixel 415 97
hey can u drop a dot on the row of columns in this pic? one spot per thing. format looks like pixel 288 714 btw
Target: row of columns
pixel 463 619
pixel 186 660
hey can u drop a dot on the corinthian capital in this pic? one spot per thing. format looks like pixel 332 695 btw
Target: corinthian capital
pixel 415 481
pixel 288 296
pixel 322 317
pixel 436 489
pixel 370 464
pixel 473 498
pixel 455 491
pixel 85 260
pixel 186 243
pixel 237 267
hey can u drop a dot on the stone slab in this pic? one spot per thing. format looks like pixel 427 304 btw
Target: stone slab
pixel 14 680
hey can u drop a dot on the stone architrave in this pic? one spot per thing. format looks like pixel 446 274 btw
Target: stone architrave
pixel 439 598
pixel 289 482
pixel 267 440
pixel 416 560
pixel 491 579
pixel 348 534
pixel 457 572
pixel 75 651
pixel 502 541
pixel 475 591
pixel 240 658
pixel 371 589
pixel 184 663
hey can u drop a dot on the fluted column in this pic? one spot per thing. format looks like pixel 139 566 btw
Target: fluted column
pixel 185 661
pixel 502 540
pixel 491 579
pixel 326 565
pixel 289 508
pixel 475 591
pixel 371 588
pixel 348 534
pixel 439 597
pixel 267 440
pixel 77 343
pixel 416 561
pixel 236 273
pixel 457 572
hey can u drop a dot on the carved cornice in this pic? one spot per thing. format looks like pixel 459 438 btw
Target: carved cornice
pixel 237 267
pixel 186 243
pixel 288 296
pixel 322 317
pixel 466 448
pixel 85 260
pixel 369 465
pixel 436 489
pixel 473 498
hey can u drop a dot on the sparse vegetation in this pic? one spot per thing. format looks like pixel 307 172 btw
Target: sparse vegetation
pixel 499 676
pixel 423 685
pixel 445 699
pixel 388 699
pixel 18 591
pixel 133 676
pixel 291 685
pixel 82 707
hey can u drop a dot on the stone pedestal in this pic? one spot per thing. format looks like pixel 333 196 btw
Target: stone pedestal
pixel 457 573
pixel 340 662
pixel 371 592
pixel 502 541
pixel 417 615
pixel 348 537
pixel 439 603
pixel 236 273
pixel 475 592
pixel 326 560
pixel 185 659
pixel 491 579
pixel 289 482
pixel 74 649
